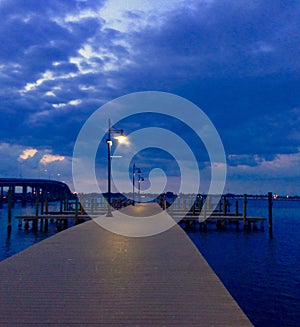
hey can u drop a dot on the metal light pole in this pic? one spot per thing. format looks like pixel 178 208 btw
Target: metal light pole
pixel 109 144
pixel 140 179
pixel 134 170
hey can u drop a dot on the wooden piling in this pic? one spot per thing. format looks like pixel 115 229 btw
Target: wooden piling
pixel 61 206
pixel 236 207
pixel 9 210
pixel 245 211
pixel 82 205
pixel 65 223
pixel 204 215
pixel 35 221
pixel 1 197
pixel 224 205
pixel 66 205
pixel 209 203
pixel 42 206
pixel 270 212
pixel 46 206
pixel 41 225
pixel 201 204
pixel 194 207
pixel 92 205
pixel 46 225
pixel 76 211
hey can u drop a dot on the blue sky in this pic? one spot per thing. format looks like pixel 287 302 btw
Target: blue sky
pixel 237 60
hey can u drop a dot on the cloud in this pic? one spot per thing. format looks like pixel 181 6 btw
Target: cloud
pixel 25 161
pixel 28 153
pixel 48 158
pixel 237 60
pixel 71 103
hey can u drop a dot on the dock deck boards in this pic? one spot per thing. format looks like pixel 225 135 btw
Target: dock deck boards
pixel 87 276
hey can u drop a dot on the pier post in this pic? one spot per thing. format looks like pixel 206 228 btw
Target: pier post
pixel 1 196
pixel 209 206
pixel 224 205
pixel 204 212
pixel 92 207
pixel 194 207
pixel 46 212
pixel 82 205
pixel 24 196
pixel 236 207
pixel 237 213
pixel 42 206
pixel 66 204
pixel 46 225
pixel 61 206
pixel 76 211
pixel 46 206
pixel 270 213
pixel 200 204
pixel 41 225
pixel 35 221
pixel 170 209
pixel 9 208
pixel 245 211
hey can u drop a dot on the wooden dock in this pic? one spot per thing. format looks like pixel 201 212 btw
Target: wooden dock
pixel 221 220
pixel 190 212
pixel 87 276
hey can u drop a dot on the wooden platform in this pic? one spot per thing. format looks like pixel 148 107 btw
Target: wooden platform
pixel 87 276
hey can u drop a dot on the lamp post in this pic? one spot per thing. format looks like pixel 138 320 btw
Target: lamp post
pixel 140 179
pixel 109 144
pixel 134 170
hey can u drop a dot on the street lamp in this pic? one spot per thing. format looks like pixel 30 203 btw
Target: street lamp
pixel 140 179
pixel 134 170
pixel 121 137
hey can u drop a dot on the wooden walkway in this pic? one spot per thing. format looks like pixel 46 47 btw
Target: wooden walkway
pixel 87 276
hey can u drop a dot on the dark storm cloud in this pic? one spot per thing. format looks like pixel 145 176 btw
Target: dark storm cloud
pixel 34 36
pixel 223 37
pixel 239 61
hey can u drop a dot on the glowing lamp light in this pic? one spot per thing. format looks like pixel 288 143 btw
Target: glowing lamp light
pixel 121 138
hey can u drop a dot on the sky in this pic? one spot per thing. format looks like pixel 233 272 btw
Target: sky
pixel 238 61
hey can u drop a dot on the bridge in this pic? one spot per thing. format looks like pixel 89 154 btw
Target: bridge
pixel 28 189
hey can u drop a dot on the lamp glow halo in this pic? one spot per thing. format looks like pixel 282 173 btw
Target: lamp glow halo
pixel 93 131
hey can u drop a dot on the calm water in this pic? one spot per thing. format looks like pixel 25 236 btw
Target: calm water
pixel 20 239
pixel 262 273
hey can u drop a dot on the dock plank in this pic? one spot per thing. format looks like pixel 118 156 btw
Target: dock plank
pixel 87 276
